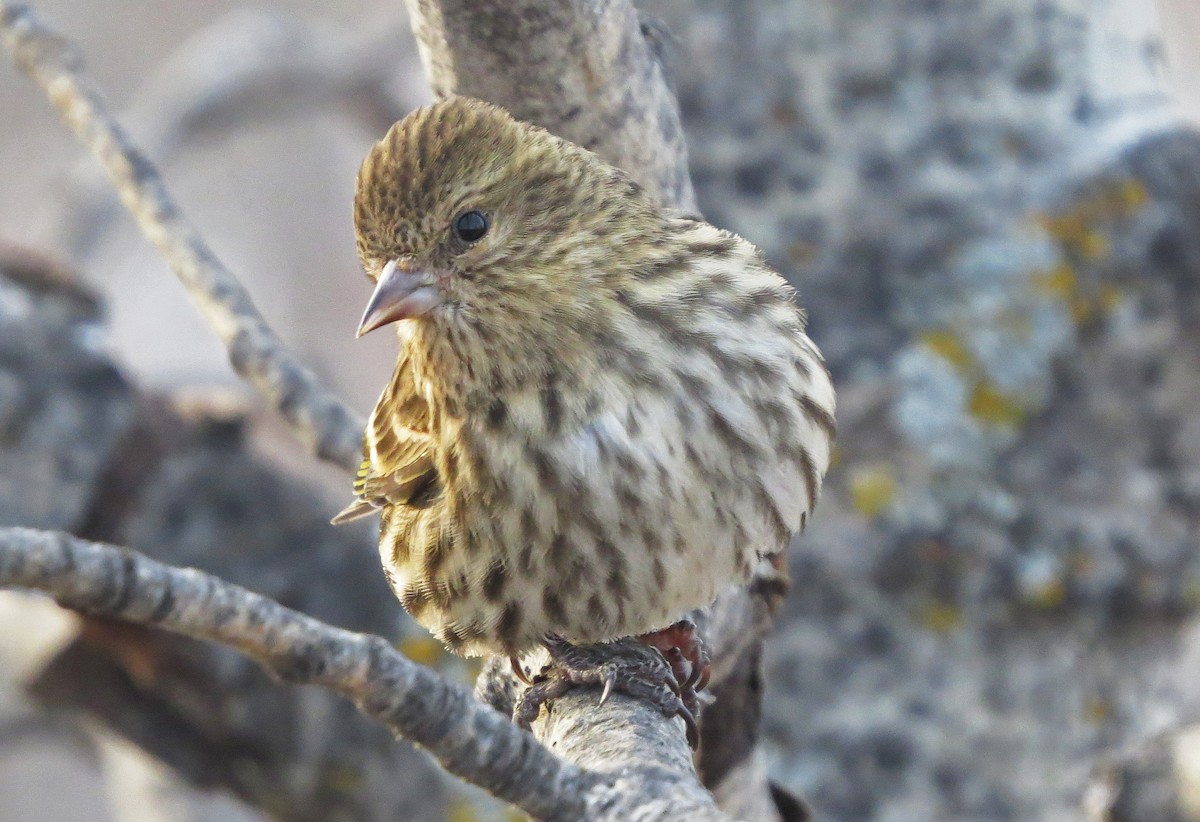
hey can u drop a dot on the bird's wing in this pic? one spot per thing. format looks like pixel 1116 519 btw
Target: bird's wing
pixel 397 449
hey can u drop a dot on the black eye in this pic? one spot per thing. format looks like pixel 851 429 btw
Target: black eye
pixel 470 226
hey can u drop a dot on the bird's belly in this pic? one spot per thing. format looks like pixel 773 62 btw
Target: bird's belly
pixel 600 535
pixel 583 579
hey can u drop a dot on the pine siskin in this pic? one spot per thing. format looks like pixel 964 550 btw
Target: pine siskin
pixel 603 412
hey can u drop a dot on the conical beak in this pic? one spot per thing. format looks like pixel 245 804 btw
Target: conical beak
pixel 401 293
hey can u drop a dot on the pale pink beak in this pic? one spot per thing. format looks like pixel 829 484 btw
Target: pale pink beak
pixel 401 293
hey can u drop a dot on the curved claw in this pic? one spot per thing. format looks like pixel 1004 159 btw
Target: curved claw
pixel 673 658
pixel 662 677
pixel 610 679
pixel 518 671
pixel 544 688
pixel 693 728
pixel 698 673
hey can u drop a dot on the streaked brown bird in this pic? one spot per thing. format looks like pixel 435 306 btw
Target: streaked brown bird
pixel 603 412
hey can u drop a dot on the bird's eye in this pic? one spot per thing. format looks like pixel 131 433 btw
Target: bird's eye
pixel 470 226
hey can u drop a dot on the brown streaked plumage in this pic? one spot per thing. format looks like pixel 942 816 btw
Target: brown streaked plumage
pixel 602 412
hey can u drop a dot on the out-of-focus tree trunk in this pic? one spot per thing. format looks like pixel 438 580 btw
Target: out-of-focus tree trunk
pixel 992 211
pixel 1181 40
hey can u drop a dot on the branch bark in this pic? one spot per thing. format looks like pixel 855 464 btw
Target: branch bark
pixel 587 71
pixel 324 422
pixel 469 739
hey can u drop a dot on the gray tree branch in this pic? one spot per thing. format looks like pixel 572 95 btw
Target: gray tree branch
pixel 583 69
pixel 469 739
pixel 324 422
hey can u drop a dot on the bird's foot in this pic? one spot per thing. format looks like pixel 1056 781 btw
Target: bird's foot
pixel 684 651
pixel 630 667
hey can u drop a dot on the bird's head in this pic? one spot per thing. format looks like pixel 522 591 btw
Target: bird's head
pixel 480 227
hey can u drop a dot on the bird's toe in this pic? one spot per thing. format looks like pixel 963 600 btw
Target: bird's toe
pixel 628 667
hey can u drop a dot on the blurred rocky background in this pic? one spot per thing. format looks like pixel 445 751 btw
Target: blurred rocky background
pixel 992 210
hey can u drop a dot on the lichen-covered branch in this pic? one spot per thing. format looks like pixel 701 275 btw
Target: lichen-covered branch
pixel 587 71
pixel 469 739
pixel 644 756
pixel 331 429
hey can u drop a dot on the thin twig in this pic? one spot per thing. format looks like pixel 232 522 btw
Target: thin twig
pixel 248 66
pixel 330 428
pixel 469 739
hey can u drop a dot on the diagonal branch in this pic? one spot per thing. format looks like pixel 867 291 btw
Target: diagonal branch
pixel 331 429
pixel 469 739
